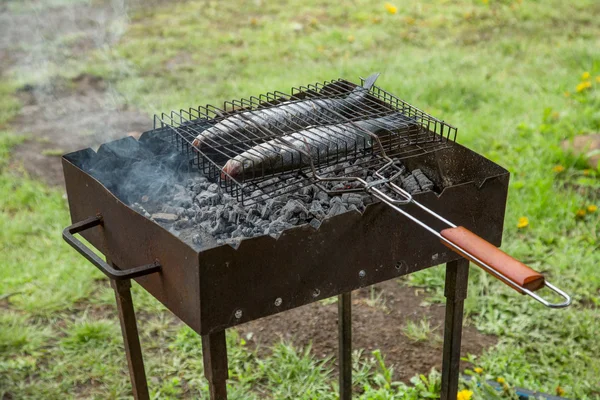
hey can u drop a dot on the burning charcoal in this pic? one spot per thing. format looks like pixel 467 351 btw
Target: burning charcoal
pixel 336 209
pixel 268 182
pixel 355 199
pixel 219 227
pixel 410 184
pixel 355 170
pixel 315 223
pixel 294 208
pixel 164 217
pixel 200 186
pixel 293 221
pixel 237 214
pixel 208 198
pixel 239 232
pixel 316 209
pixel 423 180
pixel 277 227
pixel 322 197
pixel 183 223
pixel 307 191
pixel 197 239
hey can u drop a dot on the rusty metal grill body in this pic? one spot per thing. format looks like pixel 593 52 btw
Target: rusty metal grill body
pixel 212 289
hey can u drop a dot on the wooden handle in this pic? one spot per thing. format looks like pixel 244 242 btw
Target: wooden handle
pixel 487 253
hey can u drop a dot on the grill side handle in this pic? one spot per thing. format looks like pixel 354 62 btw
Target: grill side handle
pixel 88 254
pixel 499 264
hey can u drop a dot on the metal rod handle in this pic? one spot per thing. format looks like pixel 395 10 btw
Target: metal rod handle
pixel 465 253
pixel 87 253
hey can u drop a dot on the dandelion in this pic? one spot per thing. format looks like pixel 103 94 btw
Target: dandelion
pixel 501 380
pixel 478 370
pixel 351 38
pixel 392 9
pixel 558 169
pixel 523 222
pixel 464 395
pixel 580 213
pixel 598 79
pixel 585 76
pixel 592 208
pixel 583 85
pixel 560 391
pixel 485 1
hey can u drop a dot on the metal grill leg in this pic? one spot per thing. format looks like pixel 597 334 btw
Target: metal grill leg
pixel 457 277
pixel 214 352
pixel 345 344
pixel 131 339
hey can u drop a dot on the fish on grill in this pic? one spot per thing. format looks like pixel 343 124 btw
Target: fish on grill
pixel 285 117
pixel 317 143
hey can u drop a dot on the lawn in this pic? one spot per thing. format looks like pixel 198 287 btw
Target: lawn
pixel 507 73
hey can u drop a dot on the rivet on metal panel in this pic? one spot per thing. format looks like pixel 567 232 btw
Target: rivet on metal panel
pixel 238 314
pixel 278 301
pixel 316 293
pixel 362 273
pixel 401 266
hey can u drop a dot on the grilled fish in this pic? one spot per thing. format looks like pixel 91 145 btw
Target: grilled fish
pixel 318 143
pixel 285 117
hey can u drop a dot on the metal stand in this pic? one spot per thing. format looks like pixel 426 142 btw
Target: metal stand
pixel 457 279
pixel 214 352
pixel 131 338
pixel 345 345
pixel 214 345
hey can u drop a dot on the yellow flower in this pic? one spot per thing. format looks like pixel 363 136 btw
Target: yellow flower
pixel 478 370
pixel 592 208
pixel 485 1
pixel 560 391
pixel 585 76
pixel 558 169
pixel 464 395
pixel 567 94
pixel 583 85
pixel 351 38
pixel 392 9
pixel 501 380
pixel 522 223
pixel 598 79
pixel 580 213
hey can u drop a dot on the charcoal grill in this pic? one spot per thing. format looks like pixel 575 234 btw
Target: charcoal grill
pixel 216 288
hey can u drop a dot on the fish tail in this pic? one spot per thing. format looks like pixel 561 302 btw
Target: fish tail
pixel 370 81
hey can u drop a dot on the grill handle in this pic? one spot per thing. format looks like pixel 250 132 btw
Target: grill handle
pixel 499 264
pixel 108 270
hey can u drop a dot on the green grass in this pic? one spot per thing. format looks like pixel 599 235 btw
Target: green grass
pixel 498 71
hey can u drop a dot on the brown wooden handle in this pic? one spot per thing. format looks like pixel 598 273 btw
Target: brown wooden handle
pixel 483 251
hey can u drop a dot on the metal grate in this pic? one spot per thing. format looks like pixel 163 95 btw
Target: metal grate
pixel 321 129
